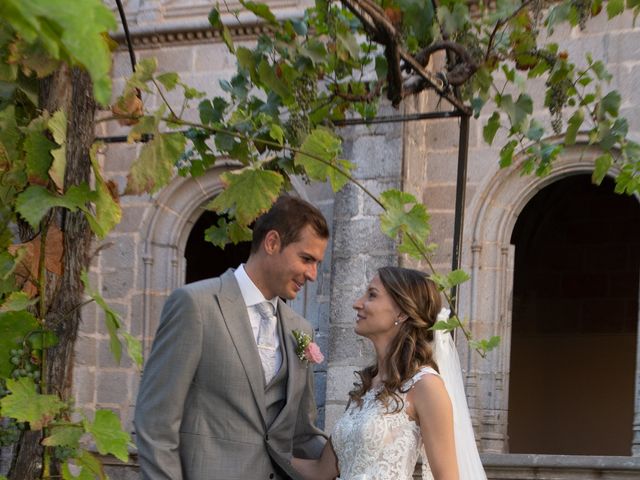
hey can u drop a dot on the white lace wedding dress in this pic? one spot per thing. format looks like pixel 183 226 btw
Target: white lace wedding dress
pixel 372 444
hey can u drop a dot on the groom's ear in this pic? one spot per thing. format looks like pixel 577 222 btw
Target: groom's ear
pixel 272 242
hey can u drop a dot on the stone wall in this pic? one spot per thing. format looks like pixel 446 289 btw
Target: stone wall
pixel 494 199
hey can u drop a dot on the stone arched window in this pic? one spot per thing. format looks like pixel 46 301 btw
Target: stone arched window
pixel 487 300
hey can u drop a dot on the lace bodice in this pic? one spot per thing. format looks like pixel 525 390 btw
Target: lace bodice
pixel 372 444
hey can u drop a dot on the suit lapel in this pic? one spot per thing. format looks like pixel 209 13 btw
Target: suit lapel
pixel 234 313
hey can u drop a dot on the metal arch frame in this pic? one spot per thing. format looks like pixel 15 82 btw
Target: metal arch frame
pixel 463 151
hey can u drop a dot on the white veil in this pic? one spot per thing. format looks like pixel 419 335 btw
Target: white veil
pixel 446 356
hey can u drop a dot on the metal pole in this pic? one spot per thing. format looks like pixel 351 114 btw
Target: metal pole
pixel 461 189
pixel 398 118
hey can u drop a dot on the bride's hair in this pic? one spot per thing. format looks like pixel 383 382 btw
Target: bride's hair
pixel 417 297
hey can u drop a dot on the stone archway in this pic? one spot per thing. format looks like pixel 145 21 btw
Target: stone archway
pixel 486 301
pixel 173 215
pixel 575 319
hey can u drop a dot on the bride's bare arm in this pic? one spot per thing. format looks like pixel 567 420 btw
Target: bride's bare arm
pixel 433 411
pixel 324 468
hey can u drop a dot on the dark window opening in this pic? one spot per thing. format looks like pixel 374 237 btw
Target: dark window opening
pixel 575 315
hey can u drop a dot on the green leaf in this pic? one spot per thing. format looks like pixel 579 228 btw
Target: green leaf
pixel 490 129
pixel 381 66
pixel 108 435
pixel 14 327
pixel 134 348
pixel 517 111
pixel 25 404
pixel 603 164
pixel 246 60
pixel 536 130
pixel 558 14
pixel 35 201
pixel 457 277
pixel 614 7
pixel 169 80
pixel 108 211
pixel 447 325
pixel 269 79
pixel 68 436
pixel 155 166
pixel 403 214
pixel 216 22
pixel 348 42
pixel 111 318
pixel 42 339
pixel 261 10
pixel 573 126
pixel 17 301
pixel 247 194
pixel 319 156
pixel 145 69
pixel 455 20
pixel 71 34
pixel 485 345
pixel 610 103
pixel 223 233
pixel 506 153
pixel 276 132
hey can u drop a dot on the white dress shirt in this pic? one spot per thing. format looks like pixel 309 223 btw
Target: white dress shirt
pixel 253 296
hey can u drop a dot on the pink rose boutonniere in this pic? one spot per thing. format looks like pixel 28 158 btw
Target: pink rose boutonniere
pixel 307 350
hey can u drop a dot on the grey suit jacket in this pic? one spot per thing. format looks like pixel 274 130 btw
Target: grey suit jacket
pixel 200 413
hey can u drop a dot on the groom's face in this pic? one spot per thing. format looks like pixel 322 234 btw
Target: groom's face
pixel 292 266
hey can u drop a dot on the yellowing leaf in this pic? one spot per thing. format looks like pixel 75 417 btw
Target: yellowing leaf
pixel 58 128
pixel 16 301
pixel 29 265
pixel 90 468
pixel 108 211
pixel 25 404
pixel 108 435
pixel 155 166
pixel 38 156
pixel 248 193
pixel 64 435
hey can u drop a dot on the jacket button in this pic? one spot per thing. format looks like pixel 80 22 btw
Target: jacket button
pixel 266 437
pixel 271 475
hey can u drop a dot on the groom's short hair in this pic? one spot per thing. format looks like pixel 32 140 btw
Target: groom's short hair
pixel 288 216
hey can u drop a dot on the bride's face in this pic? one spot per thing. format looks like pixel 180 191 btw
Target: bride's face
pixel 376 312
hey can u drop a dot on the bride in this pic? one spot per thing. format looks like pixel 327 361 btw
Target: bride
pixel 410 402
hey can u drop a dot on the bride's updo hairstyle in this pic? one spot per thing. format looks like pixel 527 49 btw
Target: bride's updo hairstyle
pixel 417 297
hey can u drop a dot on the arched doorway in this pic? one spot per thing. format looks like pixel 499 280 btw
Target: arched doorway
pixel 205 260
pixel 574 320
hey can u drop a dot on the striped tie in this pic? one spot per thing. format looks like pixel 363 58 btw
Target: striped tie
pixel 266 339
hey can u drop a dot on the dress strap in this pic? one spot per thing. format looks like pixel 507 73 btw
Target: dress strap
pixel 418 375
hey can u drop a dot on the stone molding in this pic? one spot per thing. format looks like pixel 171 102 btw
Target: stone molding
pixel 487 300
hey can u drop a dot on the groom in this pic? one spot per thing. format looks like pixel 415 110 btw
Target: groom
pixel 223 395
